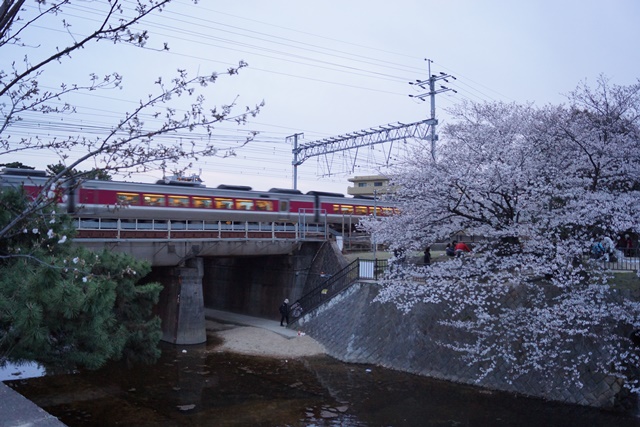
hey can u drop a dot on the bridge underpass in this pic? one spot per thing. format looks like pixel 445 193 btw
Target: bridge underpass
pixel 245 268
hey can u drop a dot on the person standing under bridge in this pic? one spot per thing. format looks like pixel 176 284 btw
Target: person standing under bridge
pixel 284 312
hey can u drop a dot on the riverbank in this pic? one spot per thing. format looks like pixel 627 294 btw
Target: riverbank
pixel 258 337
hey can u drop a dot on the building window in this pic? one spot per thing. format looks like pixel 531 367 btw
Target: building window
pixel 377 184
pixel 362 184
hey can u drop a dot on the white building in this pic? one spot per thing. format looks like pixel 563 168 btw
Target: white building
pixel 368 185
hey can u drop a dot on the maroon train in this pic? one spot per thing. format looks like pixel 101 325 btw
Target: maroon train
pixel 186 199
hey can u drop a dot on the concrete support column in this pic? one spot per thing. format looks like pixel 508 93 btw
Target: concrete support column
pixel 181 305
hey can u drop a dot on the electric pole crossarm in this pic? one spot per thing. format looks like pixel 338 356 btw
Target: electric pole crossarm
pixel 431 83
pixel 418 130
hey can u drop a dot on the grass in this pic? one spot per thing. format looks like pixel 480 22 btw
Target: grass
pixel 626 280
pixel 415 256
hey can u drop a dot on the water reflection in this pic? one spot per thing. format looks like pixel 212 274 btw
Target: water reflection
pixel 200 386
pixel 20 370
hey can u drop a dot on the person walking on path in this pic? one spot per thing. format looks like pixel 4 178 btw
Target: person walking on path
pixel 284 312
pixel 427 255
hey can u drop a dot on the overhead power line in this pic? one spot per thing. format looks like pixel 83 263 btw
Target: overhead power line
pixel 195 28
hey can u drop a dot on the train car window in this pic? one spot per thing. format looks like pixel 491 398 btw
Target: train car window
pixel 387 211
pixel 345 209
pixel 337 209
pixel 179 201
pixel 153 200
pixel 221 203
pixel 244 204
pixel 264 205
pixel 283 206
pixel 378 211
pixel 362 210
pixel 202 202
pixel 128 198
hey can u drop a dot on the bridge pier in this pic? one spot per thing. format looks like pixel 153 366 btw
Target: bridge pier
pixel 181 305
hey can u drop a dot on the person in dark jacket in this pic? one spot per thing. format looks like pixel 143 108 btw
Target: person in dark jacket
pixel 284 312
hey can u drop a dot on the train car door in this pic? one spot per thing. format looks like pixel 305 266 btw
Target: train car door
pixel 316 208
pixel 87 198
pixel 284 209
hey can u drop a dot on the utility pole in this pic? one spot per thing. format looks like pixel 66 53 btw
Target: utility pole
pixel 375 244
pixel 432 94
pixel 295 157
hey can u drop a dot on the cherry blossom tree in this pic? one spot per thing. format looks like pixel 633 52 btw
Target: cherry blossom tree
pixel 537 187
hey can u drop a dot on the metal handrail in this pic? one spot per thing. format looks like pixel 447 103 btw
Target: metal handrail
pixel 247 228
pixel 337 283
pixel 622 259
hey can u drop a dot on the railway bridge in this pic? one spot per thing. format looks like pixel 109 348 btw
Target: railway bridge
pixel 228 248
pixel 239 266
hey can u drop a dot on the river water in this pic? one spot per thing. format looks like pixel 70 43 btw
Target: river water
pixel 201 386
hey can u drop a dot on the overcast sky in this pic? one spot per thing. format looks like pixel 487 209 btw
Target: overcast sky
pixel 327 68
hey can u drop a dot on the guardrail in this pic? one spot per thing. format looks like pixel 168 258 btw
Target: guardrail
pixel 117 229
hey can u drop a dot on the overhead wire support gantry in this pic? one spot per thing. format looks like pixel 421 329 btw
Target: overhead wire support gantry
pixel 425 129
pixel 363 138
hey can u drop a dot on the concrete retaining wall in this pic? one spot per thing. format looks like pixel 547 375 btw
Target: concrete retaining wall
pixel 355 329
